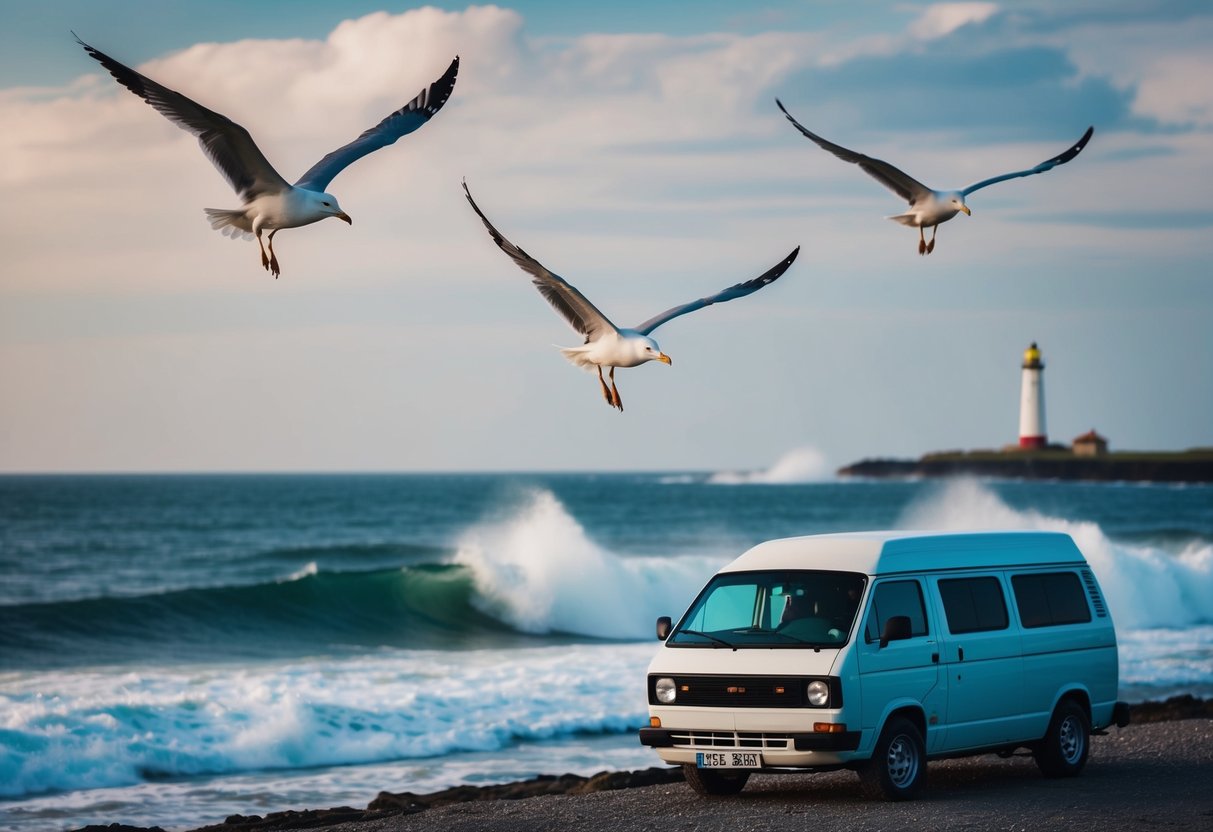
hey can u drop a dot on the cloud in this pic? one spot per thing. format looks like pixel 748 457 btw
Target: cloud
pixel 944 18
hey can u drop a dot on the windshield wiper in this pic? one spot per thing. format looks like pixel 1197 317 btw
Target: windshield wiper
pixel 707 636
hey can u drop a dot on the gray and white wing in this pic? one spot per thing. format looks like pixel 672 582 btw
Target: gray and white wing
pixel 1047 164
pixel 740 290
pixel 400 123
pixel 228 145
pixel 896 180
pixel 582 315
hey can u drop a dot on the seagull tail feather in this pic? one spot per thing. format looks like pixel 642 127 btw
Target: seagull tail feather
pixel 578 356
pixel 229 223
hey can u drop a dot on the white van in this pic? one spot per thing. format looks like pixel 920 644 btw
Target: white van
pixel 879 651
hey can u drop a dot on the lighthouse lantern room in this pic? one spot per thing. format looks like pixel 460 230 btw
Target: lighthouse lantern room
pixel 1032 401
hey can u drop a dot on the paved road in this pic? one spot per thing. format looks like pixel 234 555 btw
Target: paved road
pixel 1157 776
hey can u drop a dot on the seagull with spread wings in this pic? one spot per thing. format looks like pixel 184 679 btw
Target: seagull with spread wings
pixel 607 345
pixel 928 207
pixel 269 202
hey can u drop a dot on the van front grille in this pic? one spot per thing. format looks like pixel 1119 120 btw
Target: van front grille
pixel 704 691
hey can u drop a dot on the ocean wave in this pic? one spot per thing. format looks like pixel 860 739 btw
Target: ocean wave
pixel 112 728
pixel 541 572
pixel 423 606
pixel 1146 585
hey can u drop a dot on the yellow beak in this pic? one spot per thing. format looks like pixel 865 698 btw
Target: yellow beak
pixel 341 215
pixel 665 359
pixel 965 208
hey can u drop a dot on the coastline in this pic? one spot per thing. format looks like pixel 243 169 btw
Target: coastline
pixel 389 810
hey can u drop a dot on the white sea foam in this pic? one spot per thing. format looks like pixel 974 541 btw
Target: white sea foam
pixel 115 729
pixel 540 572
pixel 1146 586
pixel 800 465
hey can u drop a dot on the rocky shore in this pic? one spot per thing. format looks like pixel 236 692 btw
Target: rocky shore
pixel 390 811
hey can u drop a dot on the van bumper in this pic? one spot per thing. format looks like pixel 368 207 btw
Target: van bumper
pixel 846 741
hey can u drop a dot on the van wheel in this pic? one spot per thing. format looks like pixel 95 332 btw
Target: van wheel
pixel 708 782
pixel 1063 751
pixel 898 766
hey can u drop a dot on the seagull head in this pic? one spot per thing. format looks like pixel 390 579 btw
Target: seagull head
pixel 326 205
pixel 649 351
pixel 956 202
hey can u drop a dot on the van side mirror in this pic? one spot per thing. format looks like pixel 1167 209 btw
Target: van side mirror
pixel 896 628
pixel 664 625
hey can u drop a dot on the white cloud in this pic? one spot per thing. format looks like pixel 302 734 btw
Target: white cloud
pixel 942 19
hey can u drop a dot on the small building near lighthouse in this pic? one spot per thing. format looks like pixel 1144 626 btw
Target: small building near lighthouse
pixel 1089 444
pixel 1032 434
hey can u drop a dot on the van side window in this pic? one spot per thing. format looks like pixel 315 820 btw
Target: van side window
pixel 1052 598
pixel 896 598
pixel 973 605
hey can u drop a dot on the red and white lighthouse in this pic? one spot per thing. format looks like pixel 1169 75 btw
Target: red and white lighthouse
pixel 1032 401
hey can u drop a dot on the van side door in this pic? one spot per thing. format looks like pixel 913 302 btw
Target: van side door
pixel 982 662
pixel 905 670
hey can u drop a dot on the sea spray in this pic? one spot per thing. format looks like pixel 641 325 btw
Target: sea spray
pixel 800 465
pixel 540 571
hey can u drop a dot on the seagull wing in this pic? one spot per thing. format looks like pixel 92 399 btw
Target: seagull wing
pixel 1047 164
pixel 897 181
pixel 400 123
pixel 731 293
pixel 582 315
pixel 228 145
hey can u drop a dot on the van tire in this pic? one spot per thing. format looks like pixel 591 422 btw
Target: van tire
pixel 709 783
pixel 898 767
pixel 1063 751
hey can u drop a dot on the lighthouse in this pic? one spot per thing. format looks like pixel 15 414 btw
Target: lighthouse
pixel 1032 401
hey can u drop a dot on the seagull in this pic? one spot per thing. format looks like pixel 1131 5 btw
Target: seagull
pixel 606 345
pixel 269 203
pixel 928 207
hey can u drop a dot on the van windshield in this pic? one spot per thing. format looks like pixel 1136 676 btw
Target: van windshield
pixel 784 608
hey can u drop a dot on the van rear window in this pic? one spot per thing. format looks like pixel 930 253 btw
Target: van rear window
pixel 973 605
pixel 1045 600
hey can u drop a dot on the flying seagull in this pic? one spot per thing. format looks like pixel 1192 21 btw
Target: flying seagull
pixel 928 207
pixel 269 203
pixel 606 345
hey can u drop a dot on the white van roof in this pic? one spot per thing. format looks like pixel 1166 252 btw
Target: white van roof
pixel 889 552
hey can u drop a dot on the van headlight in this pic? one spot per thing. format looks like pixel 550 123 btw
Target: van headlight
pixel 665 690
pixel 818 693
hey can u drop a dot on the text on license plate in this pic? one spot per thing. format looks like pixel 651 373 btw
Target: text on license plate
pixel 728 759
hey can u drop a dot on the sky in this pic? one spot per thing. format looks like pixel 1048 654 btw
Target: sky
pixel 636 150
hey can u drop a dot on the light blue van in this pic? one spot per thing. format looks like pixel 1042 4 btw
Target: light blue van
pixel 879 651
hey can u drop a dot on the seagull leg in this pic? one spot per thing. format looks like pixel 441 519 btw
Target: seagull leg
pixel 922 241
pixel 931 245
pixel 265 261
pixel 273 258
pixel 617 400
pixel 606 392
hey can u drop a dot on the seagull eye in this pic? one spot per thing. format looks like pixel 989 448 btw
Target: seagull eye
pixel 326 205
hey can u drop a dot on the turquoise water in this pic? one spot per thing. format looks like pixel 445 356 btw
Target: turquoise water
pixel 174 649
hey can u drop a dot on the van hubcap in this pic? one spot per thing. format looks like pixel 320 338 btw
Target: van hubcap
pixel 902 762
pixel 1070 737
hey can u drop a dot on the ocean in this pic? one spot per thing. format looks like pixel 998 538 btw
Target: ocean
pixel 176 649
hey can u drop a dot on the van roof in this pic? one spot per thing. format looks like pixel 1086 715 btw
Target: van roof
pixel 888 552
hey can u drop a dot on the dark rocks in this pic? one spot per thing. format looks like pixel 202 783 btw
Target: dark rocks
pixel 408 802
pixel 1177 707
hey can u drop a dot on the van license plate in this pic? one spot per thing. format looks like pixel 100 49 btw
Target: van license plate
pixel 728 759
